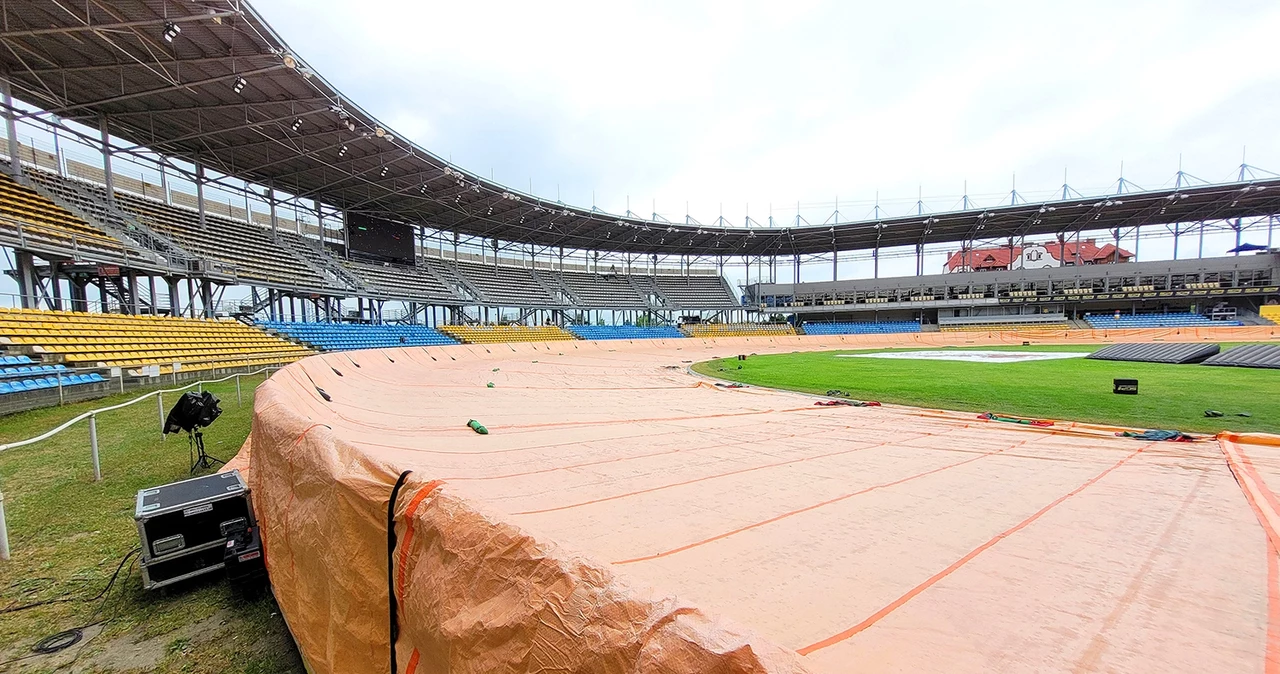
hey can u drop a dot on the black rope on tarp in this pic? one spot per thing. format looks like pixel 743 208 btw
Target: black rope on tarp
pixel 394 625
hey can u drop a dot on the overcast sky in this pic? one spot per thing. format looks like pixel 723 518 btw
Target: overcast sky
pixel 759 103
pixel 737 108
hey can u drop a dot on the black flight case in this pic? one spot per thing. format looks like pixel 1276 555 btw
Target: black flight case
pixel 184 526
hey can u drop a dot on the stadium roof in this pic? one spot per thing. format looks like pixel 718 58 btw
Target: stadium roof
pixel 227 91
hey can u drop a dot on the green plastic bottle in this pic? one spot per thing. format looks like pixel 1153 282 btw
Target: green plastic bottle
pixel 477 427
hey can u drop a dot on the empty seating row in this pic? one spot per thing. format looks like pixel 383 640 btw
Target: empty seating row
pixel 602 290
pixel 399 281
pixel 711 330
pixel 1271 312
pixel 503 285
pixel 489 334
pixel 351 336
pixel 1004 325
pixel 1167 320
pixel 250 249
pixel 695 291
pixel 625 332
pixel 24 371
pixel 43 219
pixel 254 251
pixel 114 340
pixel 16 360
pixel 18 386
pixel 860 327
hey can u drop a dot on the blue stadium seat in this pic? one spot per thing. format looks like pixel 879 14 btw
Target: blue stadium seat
pixel 860 327
pixel 5 388
pixel 625 332
pixel 352 336
pixel 1168 320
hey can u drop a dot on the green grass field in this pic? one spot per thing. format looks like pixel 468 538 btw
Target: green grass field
pixel 1076 389
pixel 68 534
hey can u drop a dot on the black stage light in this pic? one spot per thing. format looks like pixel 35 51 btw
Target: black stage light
pixel 192 412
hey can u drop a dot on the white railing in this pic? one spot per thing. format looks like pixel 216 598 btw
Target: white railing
pixel 92 416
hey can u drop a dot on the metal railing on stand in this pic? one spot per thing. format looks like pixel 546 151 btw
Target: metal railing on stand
pixel 92 416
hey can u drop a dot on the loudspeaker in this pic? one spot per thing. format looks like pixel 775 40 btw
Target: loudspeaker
pixel 1125 386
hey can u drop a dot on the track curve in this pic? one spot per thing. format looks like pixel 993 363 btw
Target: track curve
pixel 623 515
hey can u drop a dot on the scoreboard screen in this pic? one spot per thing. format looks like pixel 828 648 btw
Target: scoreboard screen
pixel 372 237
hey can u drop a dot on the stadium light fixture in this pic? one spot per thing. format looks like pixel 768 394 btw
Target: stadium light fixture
pixel 238 85
pixel 383 174
pixel 342 152
pixel 171 30
pixel 297 124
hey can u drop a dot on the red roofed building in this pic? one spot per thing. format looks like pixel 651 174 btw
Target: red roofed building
pixel 1036 255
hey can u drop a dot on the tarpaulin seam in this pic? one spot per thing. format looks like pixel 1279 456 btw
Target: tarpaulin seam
pixel 815 506
pixel 1088 661
pixel 525 448
pixel 1245 477
pixel 678 450
pixel 409 512
pixel 913 592
pixel 727 474
pixel 611 422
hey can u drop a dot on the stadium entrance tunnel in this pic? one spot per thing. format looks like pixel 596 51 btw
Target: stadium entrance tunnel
pixel 623 515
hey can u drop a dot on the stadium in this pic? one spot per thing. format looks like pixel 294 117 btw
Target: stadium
pixel 484 430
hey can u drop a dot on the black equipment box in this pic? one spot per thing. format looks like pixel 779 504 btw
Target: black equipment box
pixel 184 526
pixel 1125 386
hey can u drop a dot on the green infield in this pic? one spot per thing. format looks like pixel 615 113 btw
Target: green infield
pixel 69 533
pixel 1075 389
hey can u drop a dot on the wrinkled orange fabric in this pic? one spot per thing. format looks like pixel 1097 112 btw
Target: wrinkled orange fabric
pixel 625 516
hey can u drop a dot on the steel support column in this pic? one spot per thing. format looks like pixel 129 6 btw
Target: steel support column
pixel 107 178
pixel 11 127
pixel 26 272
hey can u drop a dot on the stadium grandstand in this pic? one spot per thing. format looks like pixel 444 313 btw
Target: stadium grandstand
pixel 239 212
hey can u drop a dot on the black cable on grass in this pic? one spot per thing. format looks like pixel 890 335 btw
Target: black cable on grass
pixel 70 637
pixel 64 599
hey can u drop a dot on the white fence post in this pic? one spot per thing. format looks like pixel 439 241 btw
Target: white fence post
pixel 4 533
pixel 239 400
pixel 93 447
pixel 160 408
pixel 61 399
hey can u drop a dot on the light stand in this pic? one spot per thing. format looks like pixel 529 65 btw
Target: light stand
pixel 195 451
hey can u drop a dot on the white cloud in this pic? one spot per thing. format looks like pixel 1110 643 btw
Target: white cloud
pixel 765 102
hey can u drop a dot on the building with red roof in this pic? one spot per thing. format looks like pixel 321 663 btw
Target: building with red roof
pixel 1036 255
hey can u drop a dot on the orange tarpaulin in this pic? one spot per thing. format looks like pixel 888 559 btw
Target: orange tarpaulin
pixel 622 516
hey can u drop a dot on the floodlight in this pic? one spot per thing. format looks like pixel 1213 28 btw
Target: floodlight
pixel 238 85
pixel 171 30
pixel 384 171
pixel 297 124
pixel 342 152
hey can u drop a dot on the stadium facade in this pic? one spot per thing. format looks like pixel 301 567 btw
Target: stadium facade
pixel 214 101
